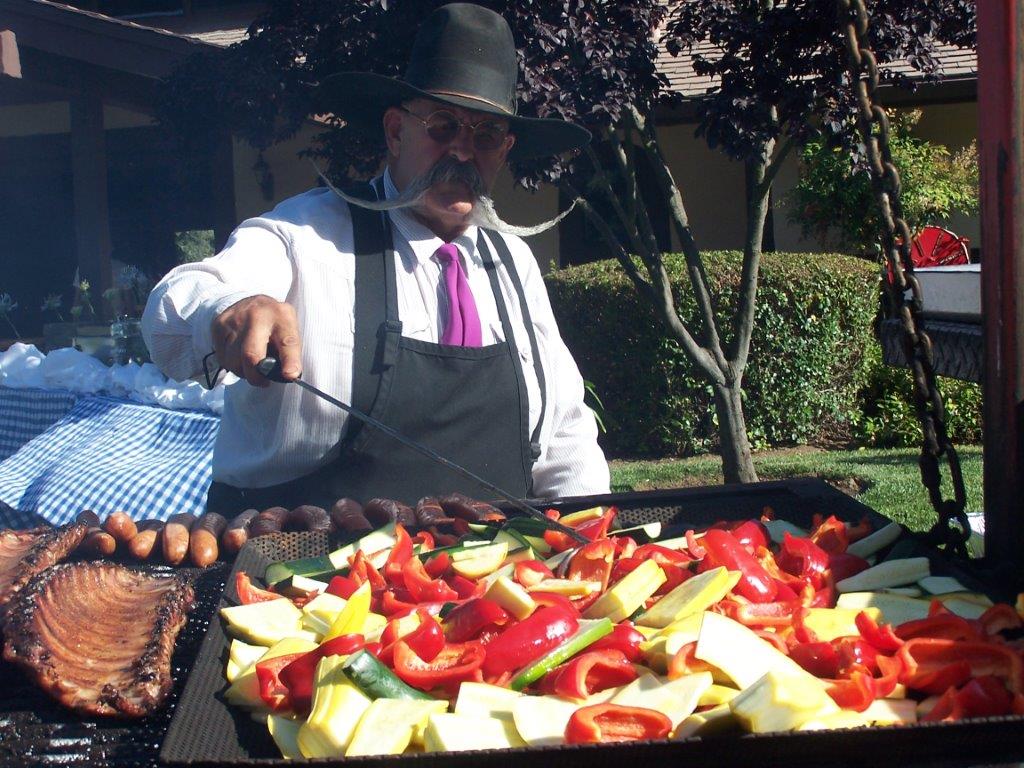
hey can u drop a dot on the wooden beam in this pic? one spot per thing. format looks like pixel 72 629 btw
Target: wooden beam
pixel 10 61
pixel 89 190
pixel 1001 158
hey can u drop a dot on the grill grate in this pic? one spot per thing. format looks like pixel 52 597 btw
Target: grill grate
pixel 35 730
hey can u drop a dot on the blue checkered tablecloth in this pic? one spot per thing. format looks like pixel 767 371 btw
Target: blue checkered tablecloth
pixel 27 413
pixel 107 454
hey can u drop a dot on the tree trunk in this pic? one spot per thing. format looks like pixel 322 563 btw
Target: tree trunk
pixel 737 464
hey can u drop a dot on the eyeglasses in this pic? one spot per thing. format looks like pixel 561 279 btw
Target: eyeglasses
pixel 443 127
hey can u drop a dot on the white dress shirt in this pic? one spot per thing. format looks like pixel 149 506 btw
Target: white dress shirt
pixel 300 253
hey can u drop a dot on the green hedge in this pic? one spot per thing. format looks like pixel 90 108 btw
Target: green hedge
pixel 814 375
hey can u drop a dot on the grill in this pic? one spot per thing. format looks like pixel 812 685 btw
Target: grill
pixel 198 729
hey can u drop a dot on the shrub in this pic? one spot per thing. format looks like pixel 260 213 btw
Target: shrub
pixel 887 414
pixel 807 364
pixel 815 373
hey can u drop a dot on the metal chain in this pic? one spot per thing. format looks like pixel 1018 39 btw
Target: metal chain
pixel 952 529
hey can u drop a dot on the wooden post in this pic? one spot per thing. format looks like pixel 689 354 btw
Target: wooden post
pixel 89 190
pixel 1001 157
pixel 10 60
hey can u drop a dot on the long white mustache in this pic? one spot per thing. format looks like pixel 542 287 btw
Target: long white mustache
pixel 449 169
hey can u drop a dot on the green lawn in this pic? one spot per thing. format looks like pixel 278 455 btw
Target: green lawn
pixel 886 480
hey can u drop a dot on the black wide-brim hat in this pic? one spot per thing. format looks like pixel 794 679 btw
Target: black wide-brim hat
pixel 463 55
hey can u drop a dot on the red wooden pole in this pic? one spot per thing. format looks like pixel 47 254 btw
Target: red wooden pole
pixel 1001 141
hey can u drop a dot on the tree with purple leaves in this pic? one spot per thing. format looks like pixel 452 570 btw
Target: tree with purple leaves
pixel 779 77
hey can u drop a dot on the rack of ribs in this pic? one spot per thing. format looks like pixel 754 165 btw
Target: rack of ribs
pixel 24 554
pixel 98 637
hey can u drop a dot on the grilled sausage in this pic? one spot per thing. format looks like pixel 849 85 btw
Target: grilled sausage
pixel 429 512
pixel 308 518
pixel 142 544
pixel 175 537
pixel 237 532
pixel 383 511
pixel 88 517
pixel 96 542
pixel 270 520
pixel 121 527
pixel 202 540
pixel 461 506
pixel 348 517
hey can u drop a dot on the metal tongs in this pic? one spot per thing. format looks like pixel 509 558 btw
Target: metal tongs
pixel 270 367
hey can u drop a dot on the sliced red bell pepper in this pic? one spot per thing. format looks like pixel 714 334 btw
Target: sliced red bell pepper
pixel 401 551
pixel 593 562
pixel 529 573
pixel 248 593
pixel 856 652
pixel 674 576
pixel 605 723
pixel 589 673
pixel 623 567
pixel 360 570
pixel 298 676
pixel 423 588
pixel 437 565
pixel 831 535
pixel 685 662
pixel 889 669
pixel 774 614
pixel 843 565
pixel 820 659
pixel 427 639
pixel 467 621
pixel 772 638
pixel 455 664
pixel 396 603
pixel 662 555
pixel 625 546
pixel 723 549
pixel 425 539
pixel 751 533
pixel 342 586
pixel 881 636
pixel 694 546
pixel 528 640
pixel 984 658
pixel 933 664
pixel 859 531
pixel 801 632
pixel 855 692
pixel 624 638
pixel 465 588
pixel 985 696
pixel 1000 617
pixel 592 529
pixel 946 709
pixel 940 625
pixel 542 599
pixel 273 691
pixel 786 594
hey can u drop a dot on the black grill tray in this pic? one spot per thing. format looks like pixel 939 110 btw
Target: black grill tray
pixel 205 731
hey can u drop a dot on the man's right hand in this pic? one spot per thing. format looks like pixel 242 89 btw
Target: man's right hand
pixel 249 330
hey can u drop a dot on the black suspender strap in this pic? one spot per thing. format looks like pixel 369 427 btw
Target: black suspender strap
pixel 374 285
pixel 505 256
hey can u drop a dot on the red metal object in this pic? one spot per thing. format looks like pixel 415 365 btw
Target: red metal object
pixel 937 247
pixel 1001 157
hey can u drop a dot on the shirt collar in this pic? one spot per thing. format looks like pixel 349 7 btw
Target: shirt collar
pixel 422 242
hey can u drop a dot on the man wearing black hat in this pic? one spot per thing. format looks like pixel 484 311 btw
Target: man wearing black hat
pixel 400 298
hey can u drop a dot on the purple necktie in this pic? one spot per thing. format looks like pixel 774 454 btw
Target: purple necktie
pixel 463 326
